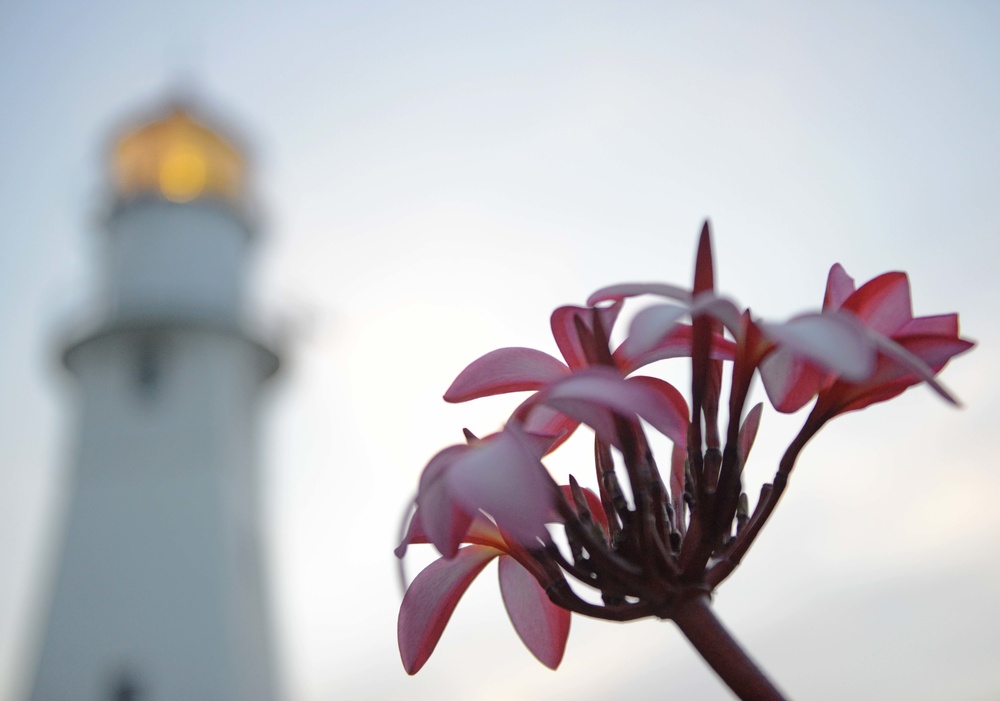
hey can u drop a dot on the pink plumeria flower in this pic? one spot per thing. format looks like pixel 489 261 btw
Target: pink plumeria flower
pixel 433 595
pixel 853 339
pixel 901 350
pixel 501 474
pixel 831 340
pixel 661 546
pixel 525 369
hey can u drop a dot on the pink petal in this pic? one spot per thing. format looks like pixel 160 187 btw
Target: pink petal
pixel 839 286
pixel 923 357
pixel 676 344
pixel 625 290
pixel 592 395
pixel 894 374
pixel 831 340
pixel 942 325
pixel 538 419
pixel 790 381
pixel 748 432
pixel 882 303
pixel 719 308
pixel 503 477
pixel 542 626
pixel 505 370
pixel 415 533
pixel 665 409
pixel 935 351
pixel 650 326
pixel 442 520
pixel 598 416
pixel 538 444
pixel 430 600
pixel 563 323
pixel 481 531
pixel 653 325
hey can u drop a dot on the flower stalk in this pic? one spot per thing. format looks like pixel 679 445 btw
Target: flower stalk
pixel 697 621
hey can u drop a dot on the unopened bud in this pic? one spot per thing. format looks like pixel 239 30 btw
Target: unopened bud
pixel 742 512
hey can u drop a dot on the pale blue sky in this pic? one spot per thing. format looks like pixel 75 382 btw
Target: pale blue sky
pixel 434 178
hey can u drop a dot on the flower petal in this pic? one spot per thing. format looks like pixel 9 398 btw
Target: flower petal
pixel 839 286
pixel 719 308
pixel 665 409
pixel 906 364
pixel 790 381
pixel 830 339
pixel 652 325
pixel 922 357
pixel 676 344
pixel 443 521
pixel 748 432
pixel 430 600
pixel 542 626
pixel 625 290
pixel 504 477
pixel 505 370
pixel 563 323
pixel 942 325
pixel 415 533
pixel 883 303
pixel 481 531
pixel 538 419
pixel 593 396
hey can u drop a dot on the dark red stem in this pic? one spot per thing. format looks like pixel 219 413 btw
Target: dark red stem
pixel 770 495
pixel 695 618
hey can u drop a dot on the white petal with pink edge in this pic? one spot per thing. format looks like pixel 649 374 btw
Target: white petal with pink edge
pixel 833 340
pixel 633 289
pixel 504 477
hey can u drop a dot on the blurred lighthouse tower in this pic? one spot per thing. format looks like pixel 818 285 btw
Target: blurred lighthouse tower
pixel 158 593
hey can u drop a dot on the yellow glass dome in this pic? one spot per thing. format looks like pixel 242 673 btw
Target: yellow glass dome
pixel 178 158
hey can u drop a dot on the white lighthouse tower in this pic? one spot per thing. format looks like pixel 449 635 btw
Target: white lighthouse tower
pixel 158 593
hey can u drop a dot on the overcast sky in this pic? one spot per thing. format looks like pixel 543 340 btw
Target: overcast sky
pixel 435 178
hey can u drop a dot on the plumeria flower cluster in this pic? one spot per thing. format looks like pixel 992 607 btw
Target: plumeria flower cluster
pixel 663 545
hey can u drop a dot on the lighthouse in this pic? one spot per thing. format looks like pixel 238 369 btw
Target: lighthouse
pixel 159 590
